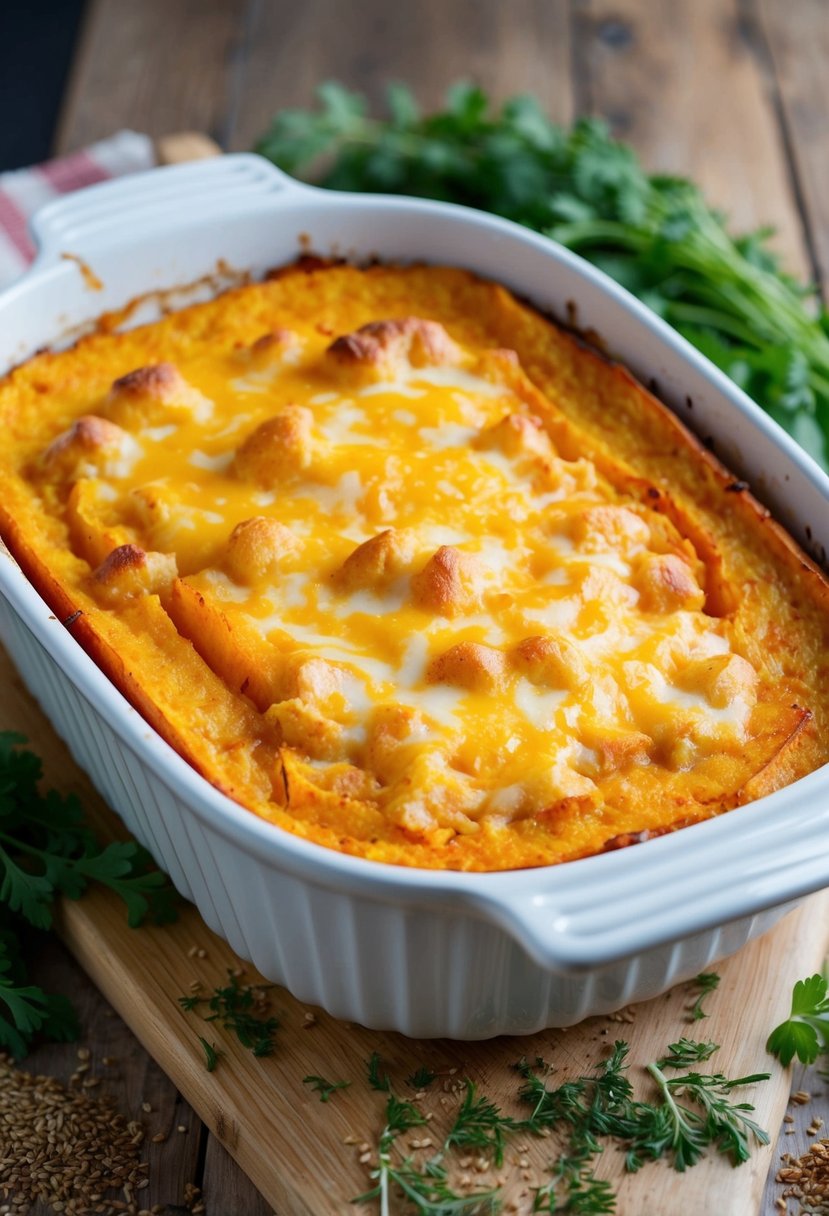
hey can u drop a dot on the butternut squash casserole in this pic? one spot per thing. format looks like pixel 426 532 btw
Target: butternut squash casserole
pixel 409 571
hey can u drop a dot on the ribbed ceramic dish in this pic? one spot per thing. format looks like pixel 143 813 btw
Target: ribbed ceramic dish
pixel 427 953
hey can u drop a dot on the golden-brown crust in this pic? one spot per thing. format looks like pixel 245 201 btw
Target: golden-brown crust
pixel 278 449
pixel 449 582
pixel 377 560
pixel 88 437
pixel 469 665
pixel 257 548
pixel 550 660
pixel 378 350
pixel 518 435
pixel 158 381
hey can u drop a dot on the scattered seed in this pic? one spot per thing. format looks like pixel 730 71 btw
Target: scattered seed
pixel 807 1178
pixel 68 1150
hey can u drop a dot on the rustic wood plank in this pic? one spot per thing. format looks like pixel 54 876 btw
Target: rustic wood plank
pixel 523 47
pixel 227 1190
pixel 683 84
pixel 799 51
pixel 157 66
pixel 128 1075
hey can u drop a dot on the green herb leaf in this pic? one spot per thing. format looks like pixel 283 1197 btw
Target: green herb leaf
pixel 211 1054
pixel 47 850
pixel 706 982
pixel 324 1088
pixel 422 1078
pixel 686 1052
pixel 479 1125
pixel 805 1033
pixel 241 1009
pixel 376 1079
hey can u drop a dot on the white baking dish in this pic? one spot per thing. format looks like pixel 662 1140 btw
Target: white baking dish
pixel 427 953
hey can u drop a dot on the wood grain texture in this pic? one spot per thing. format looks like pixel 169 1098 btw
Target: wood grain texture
pixel 155 67
pixel 799 52
pixel 684 85
pixel 521 47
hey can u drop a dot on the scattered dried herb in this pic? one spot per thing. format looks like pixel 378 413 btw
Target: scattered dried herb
pixel 241 1009
pixel 324 1088
pixel 690 1114
pixel 707 982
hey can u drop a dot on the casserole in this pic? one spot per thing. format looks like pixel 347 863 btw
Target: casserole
pixel 465 955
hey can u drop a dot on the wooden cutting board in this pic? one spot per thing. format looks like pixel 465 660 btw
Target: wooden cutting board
pixel 304 1155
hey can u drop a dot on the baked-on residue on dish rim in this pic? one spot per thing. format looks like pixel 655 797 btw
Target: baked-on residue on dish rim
pixel 459 954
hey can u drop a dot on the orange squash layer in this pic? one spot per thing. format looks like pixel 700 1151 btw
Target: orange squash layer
pixel 408 571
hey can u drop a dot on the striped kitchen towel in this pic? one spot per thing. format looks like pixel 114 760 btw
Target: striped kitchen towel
pixel 23 191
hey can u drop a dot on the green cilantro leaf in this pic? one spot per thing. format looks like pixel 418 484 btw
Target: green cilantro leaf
pixel 47 850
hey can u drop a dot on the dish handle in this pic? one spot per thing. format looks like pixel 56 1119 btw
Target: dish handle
pixel 192 191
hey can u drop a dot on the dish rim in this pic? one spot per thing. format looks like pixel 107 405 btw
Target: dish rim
pixel 544 908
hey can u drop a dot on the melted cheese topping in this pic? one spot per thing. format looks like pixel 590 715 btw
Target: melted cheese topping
pixel 449 618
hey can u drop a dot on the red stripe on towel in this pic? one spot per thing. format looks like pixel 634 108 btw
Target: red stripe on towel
pixel 15 225
pixel 72 172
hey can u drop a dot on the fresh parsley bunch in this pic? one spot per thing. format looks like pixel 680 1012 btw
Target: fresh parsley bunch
pixel 654 234
pixel 46 850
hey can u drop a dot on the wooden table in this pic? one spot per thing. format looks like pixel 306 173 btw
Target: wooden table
pixel 734 93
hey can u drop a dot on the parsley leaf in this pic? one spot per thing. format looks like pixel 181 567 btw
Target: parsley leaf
pixel 805 1033
pixel 47 850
